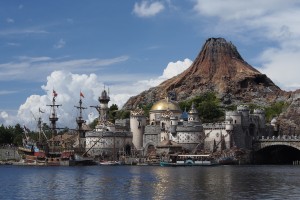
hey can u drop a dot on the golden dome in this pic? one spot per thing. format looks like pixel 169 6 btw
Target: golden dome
pixel 166 104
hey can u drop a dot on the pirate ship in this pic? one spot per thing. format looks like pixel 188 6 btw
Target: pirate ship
pixel 61 149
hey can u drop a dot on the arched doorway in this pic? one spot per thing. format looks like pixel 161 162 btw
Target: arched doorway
pixel 150 149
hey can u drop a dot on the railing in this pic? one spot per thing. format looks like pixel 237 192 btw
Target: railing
pixel 277 138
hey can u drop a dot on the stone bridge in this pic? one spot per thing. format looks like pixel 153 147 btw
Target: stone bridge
pixel 284 140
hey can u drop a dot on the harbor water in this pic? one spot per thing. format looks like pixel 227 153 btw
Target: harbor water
pixel 150 182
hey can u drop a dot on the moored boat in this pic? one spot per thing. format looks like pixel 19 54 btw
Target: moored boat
pixel 109 163
pixel 188 160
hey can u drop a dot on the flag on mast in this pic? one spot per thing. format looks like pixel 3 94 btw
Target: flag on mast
pixel 54 93
pixel 81 94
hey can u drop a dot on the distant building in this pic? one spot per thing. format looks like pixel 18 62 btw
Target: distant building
pixel 169 130
pixel 108 140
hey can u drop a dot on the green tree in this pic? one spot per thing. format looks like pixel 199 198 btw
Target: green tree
pixel 122 114
pixel 275 109
pixel 146 108
pixel 112 112
pixel 207 105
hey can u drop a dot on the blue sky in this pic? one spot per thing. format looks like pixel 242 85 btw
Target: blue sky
pixel 130 46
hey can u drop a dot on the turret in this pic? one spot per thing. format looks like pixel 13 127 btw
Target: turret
pixel 274 123
pixel 193 114
pixel 103 107
pixel 228 123
pixel 137 125
pixel 173 125
pixel 244 110
pixel 165 124
pixel 104 99
pixel 236 117
pixel 262 117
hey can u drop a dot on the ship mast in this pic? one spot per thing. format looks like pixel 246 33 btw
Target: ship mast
pixel 53 116
pixel 80 119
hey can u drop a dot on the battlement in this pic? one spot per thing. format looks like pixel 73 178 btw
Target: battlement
pixel 258 111
pixel 243 108
pixel 213 126
pixel 232 113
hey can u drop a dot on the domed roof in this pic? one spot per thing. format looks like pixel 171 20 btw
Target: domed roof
pixel 104 96
pixel 274 120
pixel 166 104
pixel 228 118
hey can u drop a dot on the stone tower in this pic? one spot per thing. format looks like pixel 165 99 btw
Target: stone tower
pixel 137 126
pixel 193 114
pixel 103 109
pixel 165 125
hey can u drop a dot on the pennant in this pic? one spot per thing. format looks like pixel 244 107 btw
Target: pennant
pixel 54 93
pixel 81 94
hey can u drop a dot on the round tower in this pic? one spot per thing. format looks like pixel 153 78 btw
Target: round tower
pixel 228 123
pixel 137 124
pixel 165 123
pixel 103 109
pixel 275 125
pixel 262 117
pixel 236 117
pixel 244 110
pixel 193 115
pixel 173 125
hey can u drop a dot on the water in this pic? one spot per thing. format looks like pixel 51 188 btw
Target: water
pixel 150 182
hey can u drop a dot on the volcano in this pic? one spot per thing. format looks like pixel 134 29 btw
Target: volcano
pixel 218 68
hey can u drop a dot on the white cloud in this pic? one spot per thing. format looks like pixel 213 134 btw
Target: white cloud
pixel 3 114
pixel 175 68
pixel 37 68
pixel 282 65
pixel 10 32
pixel 6 92
pixel 274 21
pixel 60 44
pixel 148 9
pixel 13 44
pixel 10 20
pixel 172 69
pixel 68 86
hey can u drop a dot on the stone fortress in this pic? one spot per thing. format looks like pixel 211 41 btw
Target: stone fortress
pixel 168 130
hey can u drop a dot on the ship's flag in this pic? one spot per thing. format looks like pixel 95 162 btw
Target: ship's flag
pixel 54 93
pixel 81 94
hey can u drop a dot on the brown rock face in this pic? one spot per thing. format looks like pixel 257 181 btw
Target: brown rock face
pixel 220 68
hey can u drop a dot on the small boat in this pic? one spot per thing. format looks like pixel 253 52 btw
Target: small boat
pixel 188 160
pixel 109 163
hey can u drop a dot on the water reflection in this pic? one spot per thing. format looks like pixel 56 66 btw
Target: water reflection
pixel 148 182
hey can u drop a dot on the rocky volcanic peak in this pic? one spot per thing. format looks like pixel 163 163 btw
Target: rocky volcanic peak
pixel 220 68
